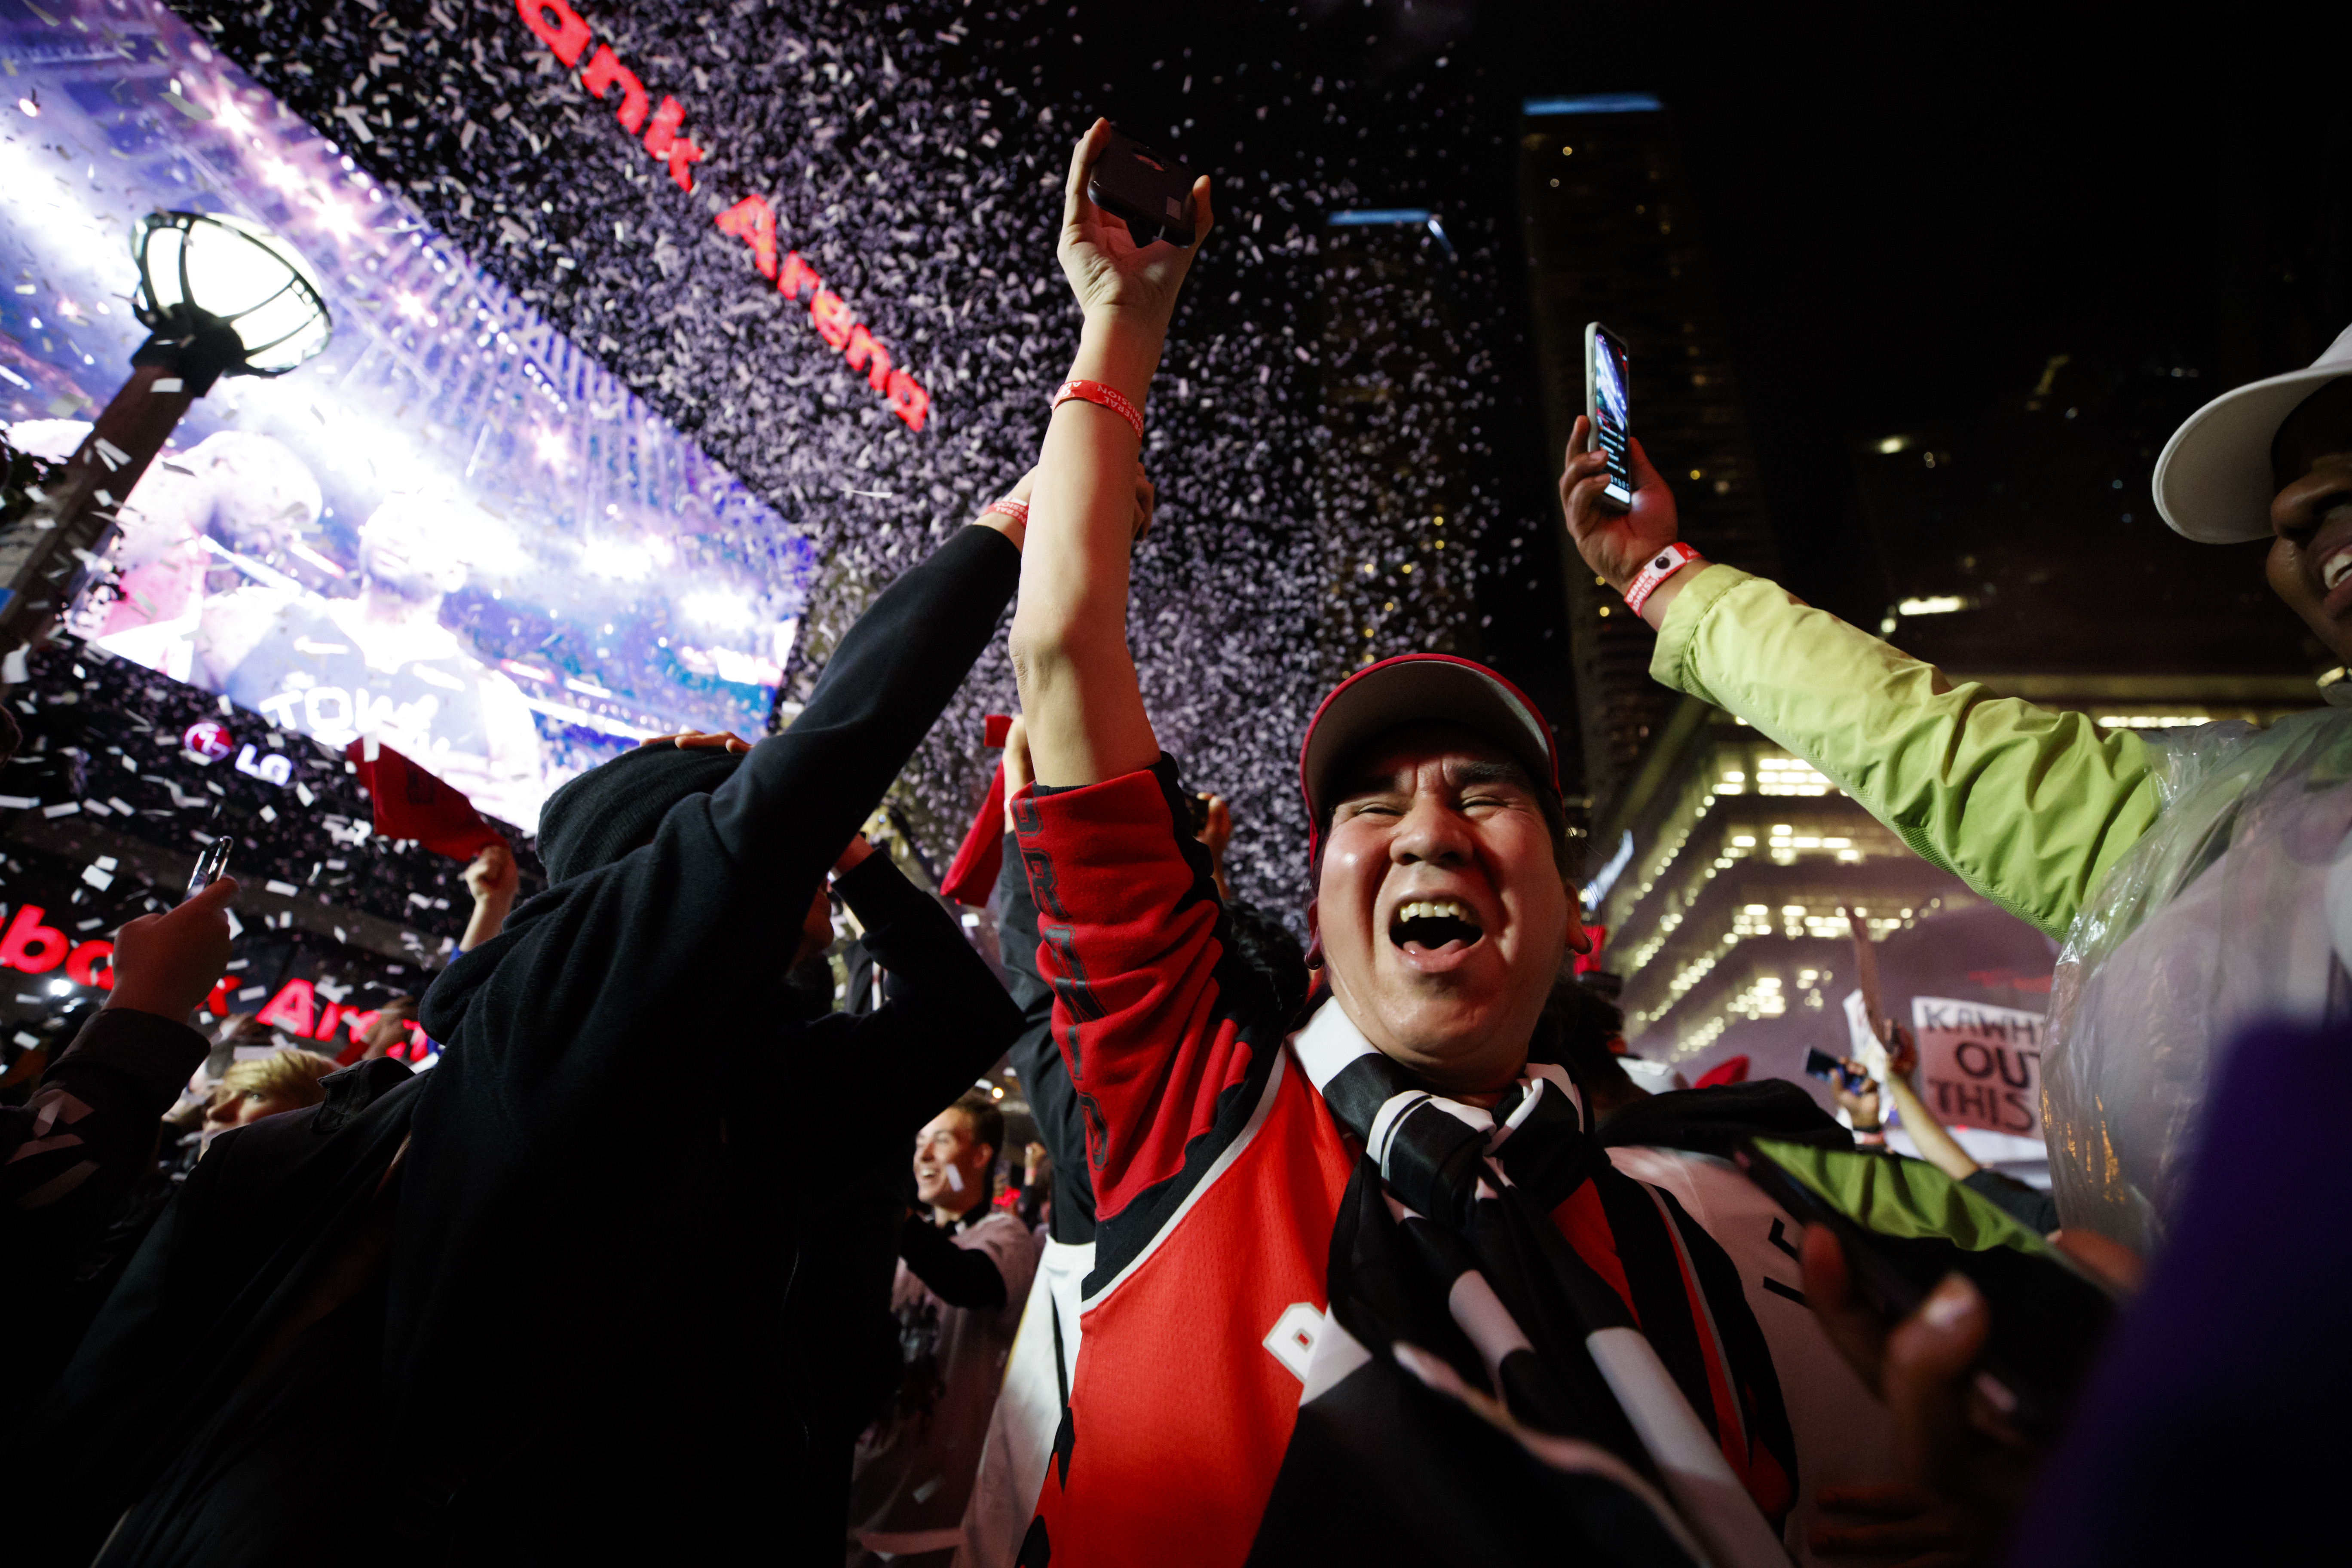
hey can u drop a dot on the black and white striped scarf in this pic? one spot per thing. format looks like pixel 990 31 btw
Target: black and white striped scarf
pixel 1479 1390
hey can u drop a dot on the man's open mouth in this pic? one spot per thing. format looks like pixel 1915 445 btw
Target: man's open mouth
pixel 2339 567
pixel 1432 923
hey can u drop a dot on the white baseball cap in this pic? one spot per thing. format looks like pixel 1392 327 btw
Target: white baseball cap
pixel 2213 482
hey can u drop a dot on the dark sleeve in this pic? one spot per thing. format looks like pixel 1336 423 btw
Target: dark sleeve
pixel 960 1275
pixel 601 976
pixel 1037 1061
pixel 90 1130
pixel 2028 1205
pixel 944 1019
pixel 793 805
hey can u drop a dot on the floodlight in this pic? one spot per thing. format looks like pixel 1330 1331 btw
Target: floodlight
pixel 201 272
pixel 219 297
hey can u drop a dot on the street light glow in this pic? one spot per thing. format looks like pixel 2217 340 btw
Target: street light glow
pixel 221 267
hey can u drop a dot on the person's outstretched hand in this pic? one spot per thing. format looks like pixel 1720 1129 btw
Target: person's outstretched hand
pixel 1107 271
pixel 492 879
pixel 1950 1440
pixel 166 963
pixel 1615 540
pixel 493 874
pixel 1217 832
pixel 1902 1051
pixel 1861 1104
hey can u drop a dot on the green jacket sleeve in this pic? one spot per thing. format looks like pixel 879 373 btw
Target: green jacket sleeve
pixel 2028 806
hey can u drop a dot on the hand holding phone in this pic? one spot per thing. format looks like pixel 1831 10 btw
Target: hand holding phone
pixel 1113 272
pixel 212 863
pixel 1820 1064
pixel 1620 512
pixel 165 964
pixel 1973 1471
pixel 1608 403
pixel 1904 1227
pixel 1146 190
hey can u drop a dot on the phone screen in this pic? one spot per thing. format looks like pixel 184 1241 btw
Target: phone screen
pixel 1611 412
pixel 1906 1224
pixel 1820 1064
pixel 211 862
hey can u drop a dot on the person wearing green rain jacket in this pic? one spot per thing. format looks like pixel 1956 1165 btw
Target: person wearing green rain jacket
pixel 2199 877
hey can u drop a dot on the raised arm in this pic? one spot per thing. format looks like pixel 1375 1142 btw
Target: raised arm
pixel 1078 692
pixel 943 1020
pixel 2030 806
pixel 799 796
pixel 492 880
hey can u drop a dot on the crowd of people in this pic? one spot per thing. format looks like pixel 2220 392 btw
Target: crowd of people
pixel 1370 1252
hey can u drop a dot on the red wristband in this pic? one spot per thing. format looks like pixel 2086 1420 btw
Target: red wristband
pixel 1660 567
pixel 1108 397
pixel 1018 511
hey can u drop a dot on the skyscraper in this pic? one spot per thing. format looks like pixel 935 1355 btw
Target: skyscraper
pixel 1609 237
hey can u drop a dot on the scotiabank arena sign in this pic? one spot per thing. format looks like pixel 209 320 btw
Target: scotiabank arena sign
pixel 30 945
pixel 751 220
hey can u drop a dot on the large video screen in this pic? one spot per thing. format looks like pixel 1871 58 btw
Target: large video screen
pixel 453 529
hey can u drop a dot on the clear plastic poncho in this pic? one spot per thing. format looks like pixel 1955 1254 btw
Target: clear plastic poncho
pixel 2236 905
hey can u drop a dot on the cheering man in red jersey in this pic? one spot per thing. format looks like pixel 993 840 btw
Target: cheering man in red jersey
pixel 1367 1289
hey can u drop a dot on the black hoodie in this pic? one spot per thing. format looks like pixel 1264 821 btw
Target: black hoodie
pixel 580 1345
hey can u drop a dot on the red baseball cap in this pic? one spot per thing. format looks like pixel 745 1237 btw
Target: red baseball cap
pixel 1418 688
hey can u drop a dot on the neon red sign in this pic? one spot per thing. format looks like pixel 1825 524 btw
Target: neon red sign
pixel 297 1010
pixel 555 24
pixel 32 948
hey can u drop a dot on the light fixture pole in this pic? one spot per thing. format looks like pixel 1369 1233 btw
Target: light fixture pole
pixel 219 297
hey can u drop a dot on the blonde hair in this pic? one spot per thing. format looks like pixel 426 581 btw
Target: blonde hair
pixel 286 1075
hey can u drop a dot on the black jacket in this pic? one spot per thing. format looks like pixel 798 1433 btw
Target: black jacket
pixel 581 1351
pixel 67 1160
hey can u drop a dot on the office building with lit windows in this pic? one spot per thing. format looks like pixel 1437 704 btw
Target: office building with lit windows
pixel 1727 875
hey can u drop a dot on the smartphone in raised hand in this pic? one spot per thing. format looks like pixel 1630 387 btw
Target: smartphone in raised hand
pixel 212 863
pixel 1903 1225
pixel 1820 1064
pixel 1606 402
pixel 1146 190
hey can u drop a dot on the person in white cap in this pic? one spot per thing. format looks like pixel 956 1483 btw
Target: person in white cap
pixel 2200 878
pixel 1367 1286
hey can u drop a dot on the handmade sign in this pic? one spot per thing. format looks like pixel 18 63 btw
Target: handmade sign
pixel 1980 1066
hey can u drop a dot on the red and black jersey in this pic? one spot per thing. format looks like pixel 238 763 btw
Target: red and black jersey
pixel 1220 1173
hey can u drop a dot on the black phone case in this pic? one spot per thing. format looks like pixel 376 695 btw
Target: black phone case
pixel 1147 190
pixel 2047 1321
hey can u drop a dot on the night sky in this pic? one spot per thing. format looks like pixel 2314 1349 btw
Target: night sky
pixel 1905 227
